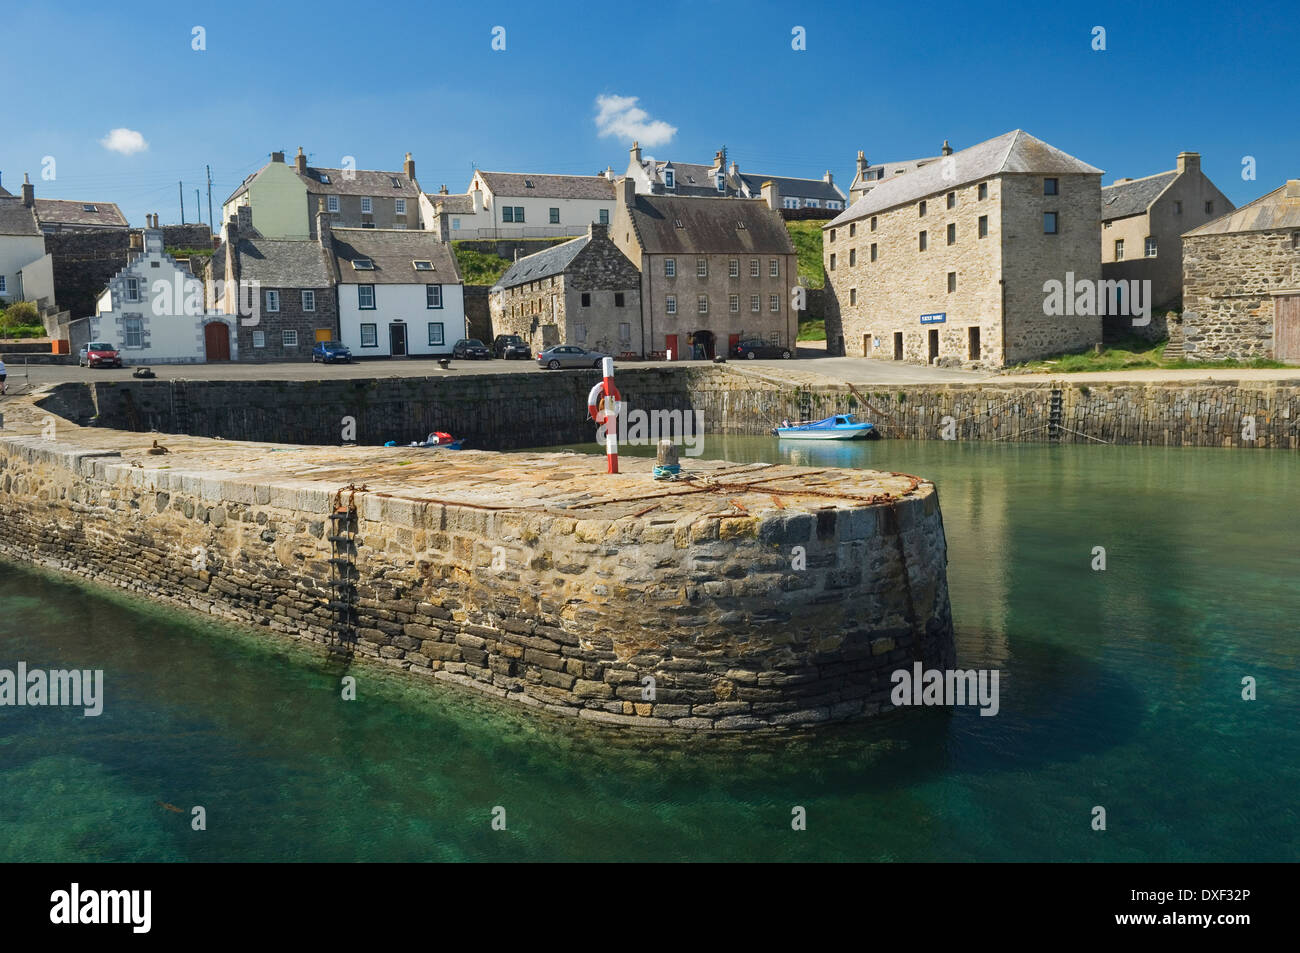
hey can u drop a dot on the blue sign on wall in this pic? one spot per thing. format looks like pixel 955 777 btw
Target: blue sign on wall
pixel 939 318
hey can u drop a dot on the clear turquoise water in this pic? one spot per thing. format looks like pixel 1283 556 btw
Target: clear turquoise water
pixel 1119 688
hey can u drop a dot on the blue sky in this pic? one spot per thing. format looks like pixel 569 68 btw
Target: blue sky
pixel 373 81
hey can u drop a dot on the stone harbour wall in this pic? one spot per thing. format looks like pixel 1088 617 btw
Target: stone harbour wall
pixel 766 597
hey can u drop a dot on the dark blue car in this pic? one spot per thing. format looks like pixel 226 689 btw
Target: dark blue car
pixel 328 352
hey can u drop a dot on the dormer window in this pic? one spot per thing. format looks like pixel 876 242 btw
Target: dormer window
pixel 325 179
pixel 722 184
pixel 363 264
pixel 423 265
pixel 670 180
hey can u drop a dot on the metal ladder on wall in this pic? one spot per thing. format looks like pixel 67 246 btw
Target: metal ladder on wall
pixel 180 407
pixel 1054 415
pixel 343 573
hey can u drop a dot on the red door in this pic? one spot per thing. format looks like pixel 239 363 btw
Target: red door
pixel 670 345
pixel 732 341
pixel 216 341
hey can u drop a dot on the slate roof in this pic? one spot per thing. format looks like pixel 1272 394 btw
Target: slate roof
pixel 513 184
pixel 1276 210
pixel 452 204
pixel 342 182
pixel 794 188
pixel 890 170
pixel 1012 152
pixel 283 263
pixel 708 226
pixel 16 218
pixel 1122 199
pixel 542 264
pixel 689 178
pixel 392 251
pixel 4 193
pixel 67 212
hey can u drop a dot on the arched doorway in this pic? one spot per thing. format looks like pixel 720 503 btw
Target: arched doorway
pixel 702 343
pixel 216 341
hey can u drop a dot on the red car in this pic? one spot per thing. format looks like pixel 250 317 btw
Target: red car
pixel 99 354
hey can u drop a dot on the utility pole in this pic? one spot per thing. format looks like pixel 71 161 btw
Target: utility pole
pixel 198 207
pixel 211 220
pixel 180 187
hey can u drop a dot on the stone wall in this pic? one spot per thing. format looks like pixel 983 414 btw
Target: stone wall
pixel 683 614
pixel 187 236
pixel 1228 282
pixel 84 263
pixel 478 317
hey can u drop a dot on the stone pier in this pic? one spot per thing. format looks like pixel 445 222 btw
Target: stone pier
pixel 739 597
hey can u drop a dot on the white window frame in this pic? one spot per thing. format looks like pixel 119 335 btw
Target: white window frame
pixel 259 339
pixel 734 303
pixel 774 268
pixel 373 328
pixel 702 304
pixel 670 179
pixel 399 206
pixel 272 302
pixel 331 203
pixel 308 300
pixel 701 268
pixel 433 296
pixel 367 205
pixel 360 305
pixel 1150 247
pixel 289 337
pixel 670 304
pixel 131 290
pixel 441 334
pixel 754 268
pixel 755 304
pixel 733 268
pixel 670 267
pixel 774 304
pixel 127 333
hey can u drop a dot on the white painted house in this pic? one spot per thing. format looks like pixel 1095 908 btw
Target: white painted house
pixel 521 205
pixel 399 293
pixel 153 311
pixel 26 271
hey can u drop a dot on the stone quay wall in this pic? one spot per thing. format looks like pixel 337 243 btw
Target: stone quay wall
pixel 533 578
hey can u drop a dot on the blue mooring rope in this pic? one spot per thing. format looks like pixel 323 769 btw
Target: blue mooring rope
pixel 667 473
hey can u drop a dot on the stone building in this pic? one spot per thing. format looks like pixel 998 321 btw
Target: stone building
pixel 521 205
pixel 1241 282
pixel 1142 223
pixel 714 271
pixel 721 178
pixel 284 199
pixel 973 259
pixel 583 292
pixel 869 175
pixel 282 288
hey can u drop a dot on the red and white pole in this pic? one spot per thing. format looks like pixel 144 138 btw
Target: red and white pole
pixel 611 416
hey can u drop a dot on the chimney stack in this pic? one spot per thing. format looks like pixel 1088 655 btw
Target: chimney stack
pixel 323 233
pixel 946 150
pixel 443 190
pixel 1189 162
pixel 300 162
pixel 626 191
pixel 1292 188
pixel 772 195
pixel 29 193
pixel 409 167
pixel 636 152
pixel 862 163
pixel 477 197
pixel 277 157
pixel 828 178
pixel 597 230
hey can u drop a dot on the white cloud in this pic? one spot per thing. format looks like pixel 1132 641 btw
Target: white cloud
pixel 125 141
pixel 621 117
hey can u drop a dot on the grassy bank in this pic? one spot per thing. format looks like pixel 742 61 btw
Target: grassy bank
pixel 1132 353
pixel 807 238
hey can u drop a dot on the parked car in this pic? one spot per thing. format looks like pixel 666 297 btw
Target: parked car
pixel 758 348
pixel 511 346
pixel 99 354
pixel 327 352
pixel 569 355
pixel 471 349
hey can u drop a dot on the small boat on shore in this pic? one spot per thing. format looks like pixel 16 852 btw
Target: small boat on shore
pixel 838 427
pixel 436 439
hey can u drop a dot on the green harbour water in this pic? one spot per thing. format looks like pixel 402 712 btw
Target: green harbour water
pixel 1119 688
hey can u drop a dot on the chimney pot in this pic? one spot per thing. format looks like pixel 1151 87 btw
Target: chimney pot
pixel 1189 162
pixel 947 149
pixel 29 193
pixel 408 167
pixel 300 162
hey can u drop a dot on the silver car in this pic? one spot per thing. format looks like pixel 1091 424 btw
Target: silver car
pixel 569 355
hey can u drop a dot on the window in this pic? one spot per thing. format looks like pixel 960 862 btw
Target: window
pixel 362 264
pixel 367 205
pixel 519 214
pixel 982 191
pixel 580 333
pixel 774 339
pixel 670 304
pixel 853 257
pixel 1150 248
pixel 701 268
pixel 366 297
pixel 272 300
pixel 309 301
pixel 677 223
pixel 670 267
pixel 325 179
pixel 972 344
pixel 604 216
pixel 984 226
pixel 952 282
pixel 1209 207
pixel 289 337
pixel 853 296
pixel 155 264
pixel 853 229
pixel 625 332
pixel 873 251
pixel 455 224
pixel 873 223
pixel 952 233
pixel 753 267
pixel 619 299
pixel 1050 224
pixel 733 268
pixel 422 264
pixel 332 203
pixel 774 303
pixel 132 290
pixel 2 284
pixel 507 213
pixel 832 261
pixel 394 181
pixel 670 181
pixel 773 268
pixel 435 334
pixel 702 304
pixel 1051 187
pixel 528 184
pixel 586 299
pixel 555 216
pixel 370 335
pixel 259 339
pixel 722 183
pixel 811 203
pixel 1178 208
pixel 1119 249
pixel 920 209
pixel 433 296
pixel 399 206
pixel 952 199
pixel 90 208
pixel 733 302
pixel 922 241
pixel 755 304
pixel 132 332
pixel 832 234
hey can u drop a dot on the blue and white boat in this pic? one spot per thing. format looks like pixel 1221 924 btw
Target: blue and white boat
pixel 839 427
